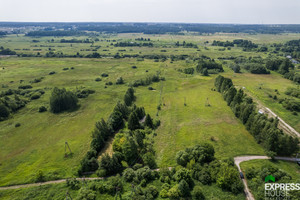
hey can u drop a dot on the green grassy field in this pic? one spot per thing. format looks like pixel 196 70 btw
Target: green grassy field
pixel 38 144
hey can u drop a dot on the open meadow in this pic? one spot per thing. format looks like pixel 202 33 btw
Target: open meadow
pixel 187 105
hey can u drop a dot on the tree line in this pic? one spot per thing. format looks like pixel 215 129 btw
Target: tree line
pixel 133 44
pixel 131 149
pixel 265 130
pixel 247 44
pixel 44 33
pixel 76 41
pixel 6 51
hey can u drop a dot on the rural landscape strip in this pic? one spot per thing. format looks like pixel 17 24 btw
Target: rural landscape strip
pixel 126 149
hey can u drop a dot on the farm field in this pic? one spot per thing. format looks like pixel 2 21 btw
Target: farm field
pixel 189 109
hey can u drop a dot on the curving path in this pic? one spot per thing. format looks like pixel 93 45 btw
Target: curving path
pixel 239 159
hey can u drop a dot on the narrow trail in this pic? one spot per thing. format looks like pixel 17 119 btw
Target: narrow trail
pixel 282 124
pixel 45 183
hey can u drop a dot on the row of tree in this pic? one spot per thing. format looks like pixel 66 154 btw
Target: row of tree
pixel 76 41
pixel 132 146
pixel 104 130
pixel 6 51
pixel 186 44
pixel 240 43
pixel 147 81
pixel 264 129
pixel 133 44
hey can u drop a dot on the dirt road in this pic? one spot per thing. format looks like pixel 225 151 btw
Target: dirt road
pixel 44 183
pixel 239 159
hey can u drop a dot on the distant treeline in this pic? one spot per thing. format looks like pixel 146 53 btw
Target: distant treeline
pixel 186 44
pixel 159 28
pixel 204 67
pixel 42 33
pixel 7 51
pixel 75 41
pixel 133 44
pixel 240 43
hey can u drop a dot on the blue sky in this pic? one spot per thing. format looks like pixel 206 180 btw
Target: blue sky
pixel 187 11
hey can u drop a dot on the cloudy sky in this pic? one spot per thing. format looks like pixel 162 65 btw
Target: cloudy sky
pixel 189 11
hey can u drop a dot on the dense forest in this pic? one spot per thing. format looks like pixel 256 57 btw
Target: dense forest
pixel 154 28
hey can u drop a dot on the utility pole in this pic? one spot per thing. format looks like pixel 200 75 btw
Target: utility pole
pixel 207 102
pixel 67 145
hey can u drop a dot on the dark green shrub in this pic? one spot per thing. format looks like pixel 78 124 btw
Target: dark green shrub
pixel 73 183
pixel 101 173
pixel 86 194
pixel 197 193
pixel 25 87
pixel 36 95
pixel 184 174
pixel 42 109
pixel 151 192
pixel 183 188
pixel 149 160
pixel 88 165
pixel 104 75
pixel 120 81
pixel 4 112
pixel 37 80
pixel 39 177
pixel 62 100
pixel 128 174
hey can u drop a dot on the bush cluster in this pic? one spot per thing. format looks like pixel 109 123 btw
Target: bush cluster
pixel 62 100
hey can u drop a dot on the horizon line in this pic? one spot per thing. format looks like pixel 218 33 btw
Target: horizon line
pixel 216 23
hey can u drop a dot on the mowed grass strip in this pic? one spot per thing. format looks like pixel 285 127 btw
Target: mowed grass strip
pixel 184 126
